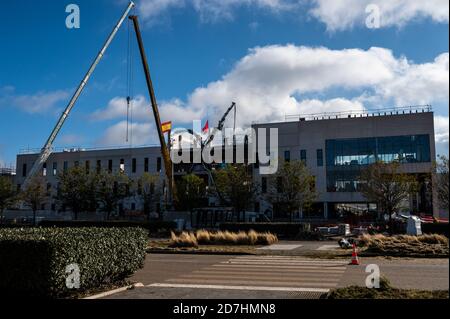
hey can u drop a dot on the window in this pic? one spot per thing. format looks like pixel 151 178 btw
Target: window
pixel 146 164
pixel 320 157
pixel 133 165
pixel 264 185
pixel 55 168
pixel 303 156
pixel 122 165
pixel 88 167
pixel 133 206
pixel 65 166
pixel 110 166
pixel 345 158
pixel 44 169
pixel 19 187
pixel 99 166
pixel 287 156
pixel 24 170
pixel 76 163
pixel 158 164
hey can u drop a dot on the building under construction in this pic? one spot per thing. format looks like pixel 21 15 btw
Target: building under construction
pixel 334 147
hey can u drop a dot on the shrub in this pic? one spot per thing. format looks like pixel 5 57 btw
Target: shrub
pixel 205 237
pixel 185 239
pixel 34 260
pixel 151 226
pixel 436 228
pixel 284 230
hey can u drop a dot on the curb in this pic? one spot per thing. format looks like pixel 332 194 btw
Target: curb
pixel 115 291
pixel 187 252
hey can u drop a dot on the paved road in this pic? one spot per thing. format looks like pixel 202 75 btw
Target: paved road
pixel 242 277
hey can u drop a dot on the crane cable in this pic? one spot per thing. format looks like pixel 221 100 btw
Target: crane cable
pixel 130 93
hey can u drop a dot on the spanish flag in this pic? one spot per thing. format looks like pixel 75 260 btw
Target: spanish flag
pixel 166 127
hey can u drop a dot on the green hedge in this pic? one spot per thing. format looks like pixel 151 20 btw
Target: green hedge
pixel 151 226
pixel 285 230
pixel 33 261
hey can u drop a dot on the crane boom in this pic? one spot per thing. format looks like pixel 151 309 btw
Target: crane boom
pixel 47 149
pixel 164 150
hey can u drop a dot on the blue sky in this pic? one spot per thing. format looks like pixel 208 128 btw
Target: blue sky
pixel 274 57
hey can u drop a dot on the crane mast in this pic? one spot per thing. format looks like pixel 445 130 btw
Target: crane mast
pixel 164 150
pixel 47 149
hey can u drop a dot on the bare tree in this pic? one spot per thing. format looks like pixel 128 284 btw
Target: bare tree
pixel 149 191
pixel 385 185
pixel 442 181
pixel 236 186
pixel 7 195
pixel 292 187
pixel 35 194
pixel 111 190
pixel 75 190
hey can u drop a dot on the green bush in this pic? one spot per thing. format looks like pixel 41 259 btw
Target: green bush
pixel 151 226
pixel 33 261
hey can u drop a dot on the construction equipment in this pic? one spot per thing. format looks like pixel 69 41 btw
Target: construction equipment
pixel 220 124
pixel 47 149
pixel 164 149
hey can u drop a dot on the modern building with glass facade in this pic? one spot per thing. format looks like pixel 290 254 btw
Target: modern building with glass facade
pixel 337 147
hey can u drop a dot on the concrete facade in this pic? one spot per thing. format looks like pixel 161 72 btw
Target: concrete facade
pixel 301 138
pixel 310 136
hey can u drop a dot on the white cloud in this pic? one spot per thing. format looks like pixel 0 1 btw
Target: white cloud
pixel 208 10
pixel 270 81
pixel 117 108
pixel 441 128
pixel 273 81
pixel 143 134
pixel 419 83
pixel 345 14
pixel 70 139
pixel 39 102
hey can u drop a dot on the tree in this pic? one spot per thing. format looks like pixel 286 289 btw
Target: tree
pixel 292 187
pixel 111 190
pixel 7 195
pixel 442 181
pixel 191 191
pixel 387 186
pixel 34 194
pixel 148 190
pixel 235 185
pixel 75 190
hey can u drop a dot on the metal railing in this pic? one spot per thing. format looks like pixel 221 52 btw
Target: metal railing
pixel 364 113
pixel 74 149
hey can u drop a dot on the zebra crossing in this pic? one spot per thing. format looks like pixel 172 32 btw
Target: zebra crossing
pixel 269 273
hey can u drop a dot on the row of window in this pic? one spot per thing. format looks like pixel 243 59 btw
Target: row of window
pixel 280 185
pixel 319 156
pixel 98 166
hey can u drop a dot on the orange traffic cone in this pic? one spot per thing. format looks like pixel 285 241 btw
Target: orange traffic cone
pixel 355 260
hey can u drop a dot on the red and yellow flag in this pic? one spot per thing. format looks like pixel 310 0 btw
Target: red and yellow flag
pixel 166 127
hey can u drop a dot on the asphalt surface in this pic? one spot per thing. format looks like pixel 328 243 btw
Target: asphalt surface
pixel 181 276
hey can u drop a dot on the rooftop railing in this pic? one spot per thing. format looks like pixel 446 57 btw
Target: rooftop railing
pixel 360 113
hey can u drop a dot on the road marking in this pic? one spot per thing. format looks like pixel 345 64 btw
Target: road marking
pixel 328 247
pixel 254 282
pixel 274 263
pixel 271 272
pixel 259 277
pixel 254 265
pixel 283 261
pixel 257 288
pixel 280 247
